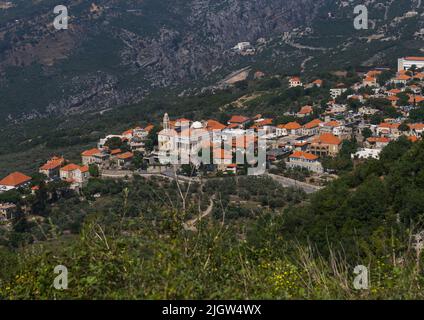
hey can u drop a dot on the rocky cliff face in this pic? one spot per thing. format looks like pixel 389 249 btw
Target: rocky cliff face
pixel 211 28
pixel 116 51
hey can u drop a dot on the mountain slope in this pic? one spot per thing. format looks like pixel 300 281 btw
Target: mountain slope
pixel 116 52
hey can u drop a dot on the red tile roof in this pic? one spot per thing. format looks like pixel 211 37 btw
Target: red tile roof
pixel 303 155
pixel 91 152
pixel 312 124
pixel 53 163
pixel 415 58
pixel 214 125
pixel 305 110
pixel 264 122
pixel 327 138
pixel 15 179
pixel 332 123
pixel 292 126
pixel 238 119
pixel 126 155
pixel 70 167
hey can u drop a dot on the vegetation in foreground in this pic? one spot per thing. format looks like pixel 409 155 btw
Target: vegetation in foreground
pixel 298 248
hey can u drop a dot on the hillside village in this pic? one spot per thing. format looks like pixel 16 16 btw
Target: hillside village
pixel 296 150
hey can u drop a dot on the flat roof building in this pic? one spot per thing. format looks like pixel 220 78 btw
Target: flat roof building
pixel 407 62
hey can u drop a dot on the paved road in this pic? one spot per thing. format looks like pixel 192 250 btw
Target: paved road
pixel 116 173
pixel 287 183
pixel 121 174
pixel 190 225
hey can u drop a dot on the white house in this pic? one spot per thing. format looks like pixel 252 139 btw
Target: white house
pixel 74 174
pixel 295 82
pixel 366 153
pixel 407 62
pixel 305 160
pixel 14 180
pixel 337 92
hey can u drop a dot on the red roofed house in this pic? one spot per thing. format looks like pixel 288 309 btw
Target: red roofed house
pixel 212 125
pixel 401 79
pixel 369 81
pixel 291 128
pixel 239 121
pixel 311 128
pixel 124 159
pixel 305 111
pixel 51 167
pixel 416 129
pixel 330 126
pixel 377 142
pixel 388 129
pixel 415 99
pixel 74 174
pixel 393 100
pixel 295 82
pixel 393 92
pixel 14 180
pixel 327 144
pixel 92 156
pixel 305 160
pixel 265 124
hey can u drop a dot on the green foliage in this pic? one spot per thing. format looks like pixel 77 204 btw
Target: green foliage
pixel 366 133
pixel 94 170
pixel 343 162
pixel 373 198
